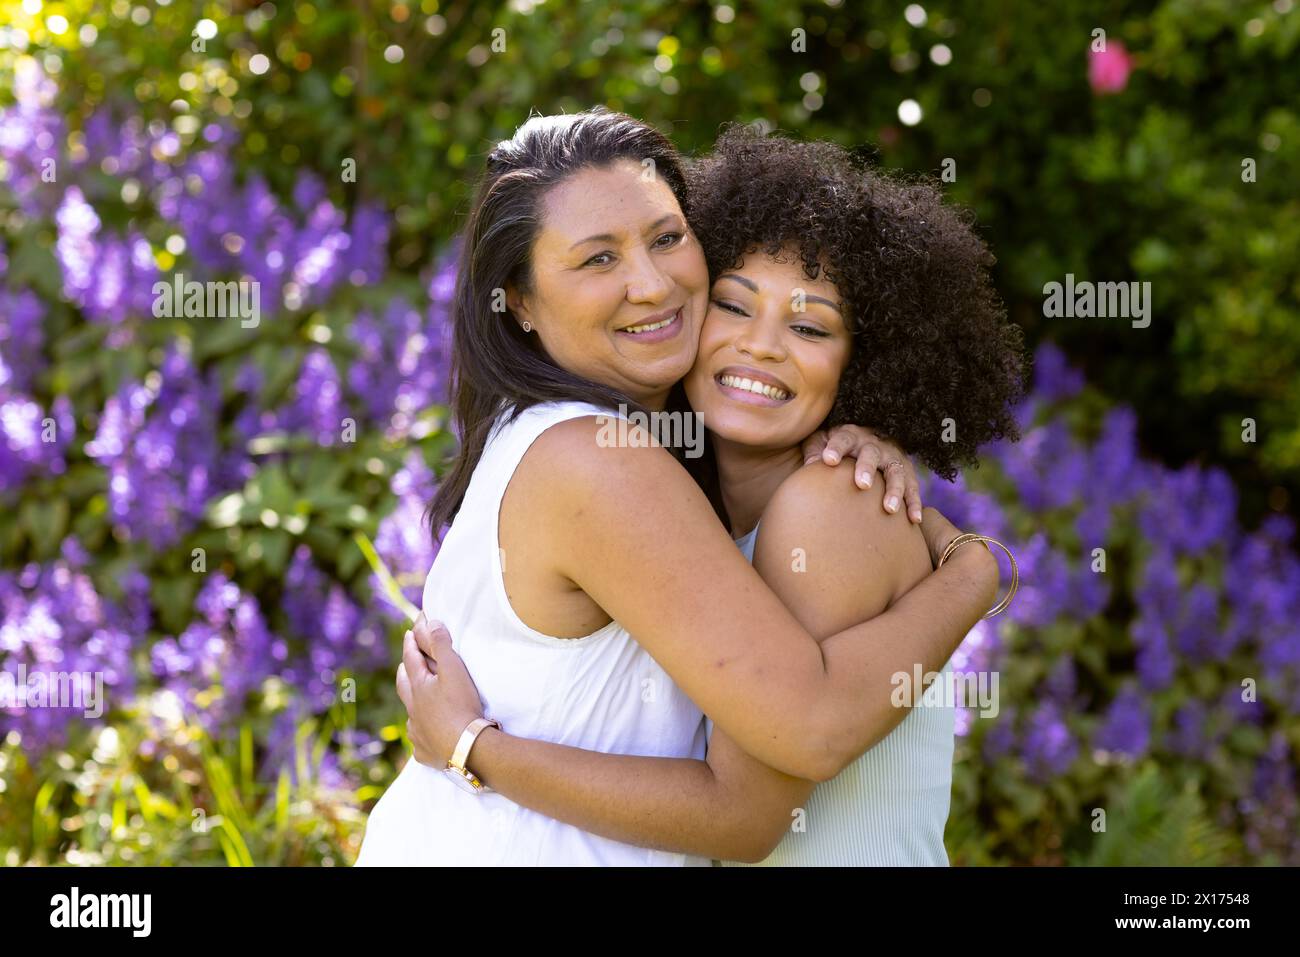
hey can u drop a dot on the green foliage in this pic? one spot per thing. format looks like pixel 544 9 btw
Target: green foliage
pixel 1151 822
pixel 159 791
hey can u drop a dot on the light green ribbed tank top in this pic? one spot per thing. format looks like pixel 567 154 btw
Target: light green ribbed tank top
pixel 887 808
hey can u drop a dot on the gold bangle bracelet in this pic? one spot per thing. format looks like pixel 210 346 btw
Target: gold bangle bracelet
pixel 965 539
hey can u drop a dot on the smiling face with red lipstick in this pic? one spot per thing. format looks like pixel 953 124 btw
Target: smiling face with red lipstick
pixel 772 350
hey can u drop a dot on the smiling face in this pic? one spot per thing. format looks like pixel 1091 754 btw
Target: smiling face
pixel 619 284
pixel 770 359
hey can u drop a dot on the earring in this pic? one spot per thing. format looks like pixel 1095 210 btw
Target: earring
pixel 528 326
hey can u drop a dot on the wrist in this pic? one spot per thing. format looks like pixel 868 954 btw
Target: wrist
pixel 455 727
pixel 980 567
pixel 481 755
pixel 460 764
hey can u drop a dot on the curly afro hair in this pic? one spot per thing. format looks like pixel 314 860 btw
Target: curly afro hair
pixel 931 340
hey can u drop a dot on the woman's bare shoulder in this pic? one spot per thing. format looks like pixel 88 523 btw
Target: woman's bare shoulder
pixel 821 510
pixel 585 470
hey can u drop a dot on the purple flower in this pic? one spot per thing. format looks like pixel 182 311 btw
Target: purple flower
pixel 401 366
pixel 299 253
pixel 317 405
pixel 31 134
pixel 293 753
pixel 32 440
pixel 1197 633
pixel 1115 473
pixel 159 442
pixel 222 657
pixel 1271 812
pixel 108 277
pixel 1126 728
pixel 1048 466
pixel 1155 660
pixel 1048 746
pixel 1054 378
pixel 1000 739
pixel 1062 682
pixel 22 340
pixel 1191 735
pixel 1189 510
pixel 1045 583
pixel 55 625
pixel 335 631
pixel 403 540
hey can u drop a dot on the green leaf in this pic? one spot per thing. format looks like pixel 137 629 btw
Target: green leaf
pixel 388 585
pixel 46 523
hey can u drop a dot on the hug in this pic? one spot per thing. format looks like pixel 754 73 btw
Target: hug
pixel 637 657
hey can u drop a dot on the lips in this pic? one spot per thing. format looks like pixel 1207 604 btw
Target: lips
pixel 656 328
pixel 743 381
pixel 651 323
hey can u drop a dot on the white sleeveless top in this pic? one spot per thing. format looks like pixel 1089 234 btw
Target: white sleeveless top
pixel 887 808
pixel 602 692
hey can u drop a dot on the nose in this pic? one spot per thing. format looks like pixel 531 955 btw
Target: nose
pixel 761 338
pixel 646 282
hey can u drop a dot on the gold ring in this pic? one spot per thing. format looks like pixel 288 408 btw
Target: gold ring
pixel 966 538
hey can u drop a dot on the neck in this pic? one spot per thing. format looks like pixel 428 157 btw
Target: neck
pixel 749 477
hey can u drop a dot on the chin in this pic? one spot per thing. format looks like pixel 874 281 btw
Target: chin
pixel 739 427
pixel 673 369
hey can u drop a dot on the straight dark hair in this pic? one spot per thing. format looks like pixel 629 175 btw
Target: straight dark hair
pixel 497 368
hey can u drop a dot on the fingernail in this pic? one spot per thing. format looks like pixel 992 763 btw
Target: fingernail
pixel 832 457
pixel 811 459
pixel 409 635
pixel 891 504
pixel 916 514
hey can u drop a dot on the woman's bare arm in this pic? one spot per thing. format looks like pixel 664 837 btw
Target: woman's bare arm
pixel 633 531
pixel 734 807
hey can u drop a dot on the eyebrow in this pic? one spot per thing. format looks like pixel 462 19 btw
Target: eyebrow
pixel 610 237
pixel 753 287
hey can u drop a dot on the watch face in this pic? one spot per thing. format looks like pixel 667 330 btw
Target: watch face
pixel 462 782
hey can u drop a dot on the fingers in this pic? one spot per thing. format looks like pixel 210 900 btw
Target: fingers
pixel 868 462
pixel 841 443
pixel 913 499
pixel 416 668
pixel 403 686
pixel 895 485
pixel 434 640
pixel 423 639
pixel 813 446
pixel 439 638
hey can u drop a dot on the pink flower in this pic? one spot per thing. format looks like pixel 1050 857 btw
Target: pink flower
pixel 1108 71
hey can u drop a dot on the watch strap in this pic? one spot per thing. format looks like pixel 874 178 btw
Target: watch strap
pixel 467 738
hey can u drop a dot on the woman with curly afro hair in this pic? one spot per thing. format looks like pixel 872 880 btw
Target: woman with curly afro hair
pixel 838 294
pixel 934 364
pixel 844 294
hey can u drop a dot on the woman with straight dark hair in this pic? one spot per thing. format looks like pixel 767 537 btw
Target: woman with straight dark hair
pixel 582 293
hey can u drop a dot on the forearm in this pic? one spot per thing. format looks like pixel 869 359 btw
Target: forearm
pixel 919 632
pixel 671 804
